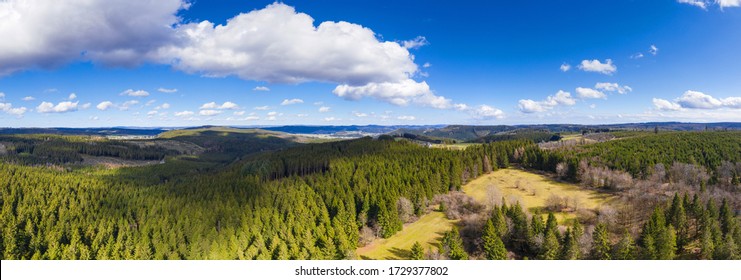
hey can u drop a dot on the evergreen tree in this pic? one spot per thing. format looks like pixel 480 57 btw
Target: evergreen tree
pixel 550 248
pixel 452 245
pixel 492 242
pixel 601 243
pixel 625 249
pixel 417 252
pixel 570 249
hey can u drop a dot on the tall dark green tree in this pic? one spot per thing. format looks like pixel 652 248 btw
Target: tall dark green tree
pixel 492 242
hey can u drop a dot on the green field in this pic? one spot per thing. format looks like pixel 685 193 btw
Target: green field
pixel 531 190
pixel 428 230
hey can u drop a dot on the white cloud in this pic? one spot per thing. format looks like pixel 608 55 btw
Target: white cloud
pixel 135 93
pixel 61 107
pixel 164 106
pixel 291 101
pixel 666 105
pixel 637 56
pixel 72 96
pixel 698 100
pixel 565 67
pixel 152 113
pixel 28 98
pixel 251 118
pixel 728 3
pixel 85 106
pixel 705 3
pixel 653 50
pixel 167 90
pixel 239 113
pixel 126 105
pixel 93 118
pixel 262 108
pixel 331 119
pixel 9 109
pixel 324 109
pixel 209 112
pixel 529 106
pixel 261 88
pixel 460 107
pixel 184 113
pixel 406 118
pixel 2 95
pixel 17 111
pixel 273 44
pixel 416 43
pixel 487 112
pixel 426 65
pixel 360 115
pixel 698 3
pixel 613 87
pixel 277 44
pixel 105 105
pixel 732 102
pixel 149 103
pixel 606 68
pixel 225 106
pixel 398 93
pixel 588 93
pixel 48 34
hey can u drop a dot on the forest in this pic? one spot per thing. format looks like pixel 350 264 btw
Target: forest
pixel 259 196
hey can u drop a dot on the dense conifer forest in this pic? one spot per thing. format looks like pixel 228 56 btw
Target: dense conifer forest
pixel 264 197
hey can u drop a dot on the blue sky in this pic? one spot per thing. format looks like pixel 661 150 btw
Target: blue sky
pixel 175 63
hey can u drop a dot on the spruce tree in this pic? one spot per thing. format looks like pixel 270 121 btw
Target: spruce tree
pixel 493 246
pixel 625 249
pixel 417 252
pixel 601 243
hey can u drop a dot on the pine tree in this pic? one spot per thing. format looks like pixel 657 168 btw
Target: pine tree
pixel 570 249
pixel 549 249
pixel 625 249
pixel 417 251
pixel 493 246
pixel 666 244
pixel 707 246
pixel 452 245
pixel 601 243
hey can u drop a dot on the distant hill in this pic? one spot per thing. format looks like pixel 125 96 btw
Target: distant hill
pixel 101 131
pixel 369 129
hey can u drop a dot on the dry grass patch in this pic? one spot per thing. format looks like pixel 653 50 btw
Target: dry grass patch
pixel 428 230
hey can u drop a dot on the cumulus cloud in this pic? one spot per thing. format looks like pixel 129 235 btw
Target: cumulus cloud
pixel 167 90
pixel 588 93
pixel 164 106
pixel 225 106
pixel 262 108
pixel 105 105
pixel 184 113
pixel 61 107
pixel 416 43
pixel 261 88
pixel 273 44
pixel 49 33
pixel 698 100
pixel 28 98
pixel 666 105
pixel 360 115
pixel 324 109
pixel 565 67
pixel 406 118
pixel 487 112
pixel 135 93
pixel 9 109
pixel 291 101
pixel 595 65
pixel 398 93
pixel 529 106
pixel 331 119
pixel 613 87
pixel 85 106
pixel 209 112
pixel 72 96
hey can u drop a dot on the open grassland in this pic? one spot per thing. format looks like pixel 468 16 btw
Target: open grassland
pixel 457 146
pixel 533 191
pixel 530 189
pixel 428 230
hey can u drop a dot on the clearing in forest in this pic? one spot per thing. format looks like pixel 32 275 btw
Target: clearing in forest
pixel 535 192
pixel 428 230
